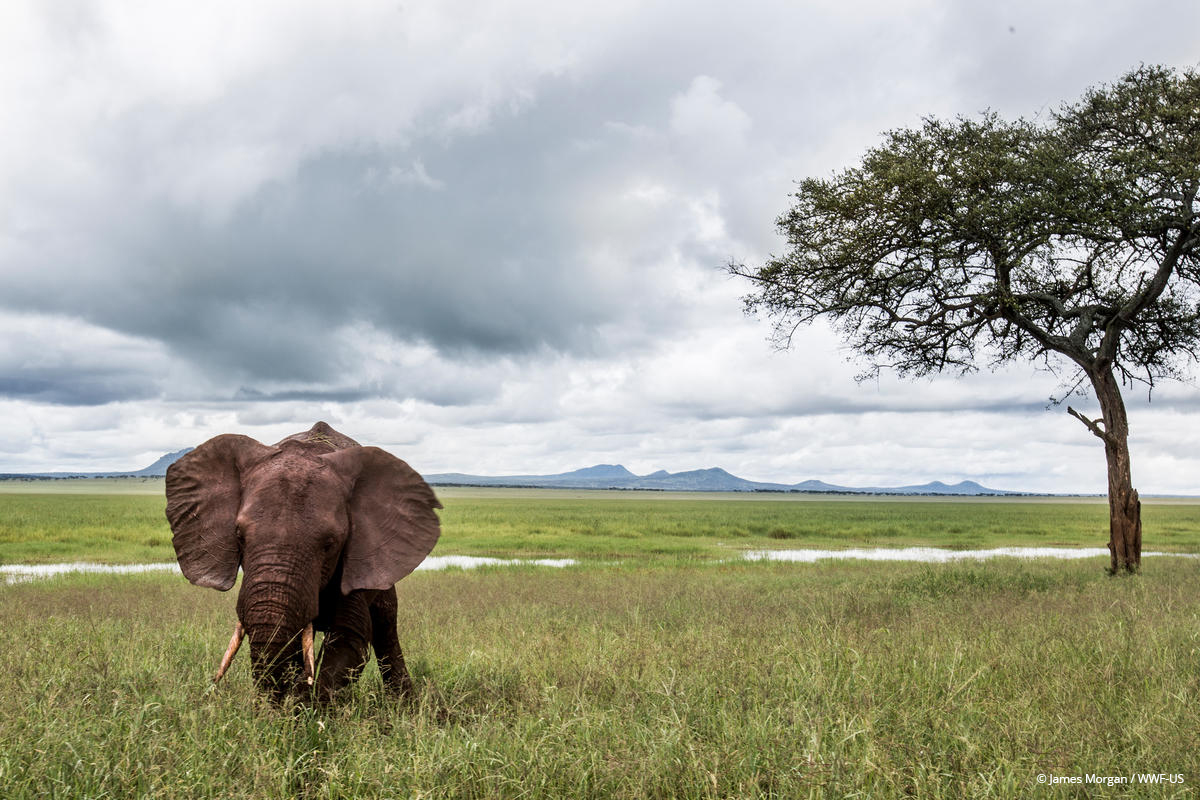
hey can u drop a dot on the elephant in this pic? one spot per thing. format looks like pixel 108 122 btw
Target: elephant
pixel 322 529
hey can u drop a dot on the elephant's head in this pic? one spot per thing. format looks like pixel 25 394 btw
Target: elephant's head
pixel 314 513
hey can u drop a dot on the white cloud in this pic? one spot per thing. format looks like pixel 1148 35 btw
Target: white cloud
pixel 415 175
pixel 701 115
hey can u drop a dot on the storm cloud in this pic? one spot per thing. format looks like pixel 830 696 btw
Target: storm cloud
pixel 489 232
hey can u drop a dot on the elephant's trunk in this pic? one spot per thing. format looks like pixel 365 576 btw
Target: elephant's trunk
pixel 276 660
pixel 279 625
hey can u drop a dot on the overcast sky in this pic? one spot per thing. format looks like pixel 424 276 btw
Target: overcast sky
pixel 489 236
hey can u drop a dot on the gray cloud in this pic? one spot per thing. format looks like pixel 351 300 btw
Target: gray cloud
pixel 64 361
pixel 487 260
pixel 78 386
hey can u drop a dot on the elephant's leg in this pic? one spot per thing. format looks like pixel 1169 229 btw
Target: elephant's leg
pixel 346 647
pixel 387 644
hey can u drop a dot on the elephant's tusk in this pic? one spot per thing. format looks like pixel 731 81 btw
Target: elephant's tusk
pixel 234 643
pixel 310 661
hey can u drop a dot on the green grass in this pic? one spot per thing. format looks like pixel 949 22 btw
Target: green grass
pixel 647 525
pixel 656 669
pixel 670 681
pixel 109 528
pixel 115 525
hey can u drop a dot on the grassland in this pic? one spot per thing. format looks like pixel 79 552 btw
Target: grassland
pixel 115 524
pixel 700 681
pixel 656 668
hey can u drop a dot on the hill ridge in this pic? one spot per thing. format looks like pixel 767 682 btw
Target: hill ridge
pixel 607 476
pixel 710 479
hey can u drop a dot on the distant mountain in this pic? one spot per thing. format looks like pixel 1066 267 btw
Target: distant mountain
pixel 159 467
pixel 962 487
pixel 600 472
pixel 615 476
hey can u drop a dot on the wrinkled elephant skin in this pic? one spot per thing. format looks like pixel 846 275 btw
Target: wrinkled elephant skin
pixel 322 529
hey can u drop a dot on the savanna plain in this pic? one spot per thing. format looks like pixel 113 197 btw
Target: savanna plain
pixel 662 664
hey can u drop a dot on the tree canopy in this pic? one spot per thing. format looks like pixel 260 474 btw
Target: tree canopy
pixel 978 241
pixel 983 237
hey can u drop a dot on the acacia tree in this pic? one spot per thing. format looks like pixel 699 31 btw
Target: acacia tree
pixel 984 241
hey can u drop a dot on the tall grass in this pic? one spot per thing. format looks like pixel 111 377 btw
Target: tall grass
pixel 695 681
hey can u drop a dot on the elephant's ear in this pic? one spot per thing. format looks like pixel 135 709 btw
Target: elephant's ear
pixel 204 493
pixel 393 525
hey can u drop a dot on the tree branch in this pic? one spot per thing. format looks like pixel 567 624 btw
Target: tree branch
pixel 1092 425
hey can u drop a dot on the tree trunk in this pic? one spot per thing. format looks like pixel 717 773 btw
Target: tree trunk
pixel 1124 507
